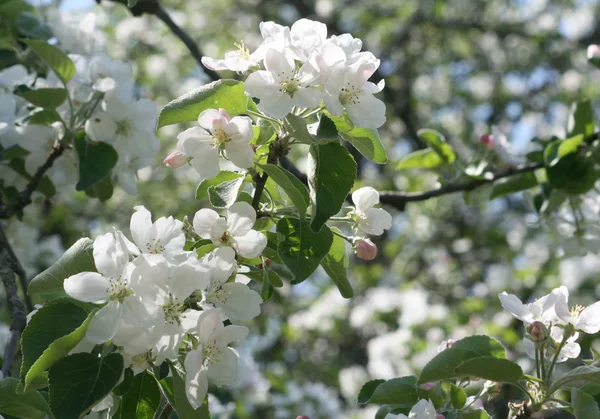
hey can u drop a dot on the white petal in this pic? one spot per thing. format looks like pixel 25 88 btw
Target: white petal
pixel 223 372
pixel 170 234
pixel 90 287
pixel 240 218
pixel 105 323
pixel 211 119
pixel 240 154
pixel 243 126
pixel 186 279
pixel 196 387
pixel 250 245
pixel 209 322
pixel 589 320
pixel 514 306
pixel 377 221
pixel 261 84
pixel 141 313
pixel 280 63
pixel 140 224
pixel 561 306
pixel 193 361
pixel 214 64
pixel 368 112
pixel 277 105
pixel 204 220
pixel 332 103
pixel 423 409
pixel 109 256
pixel 308 97
pixel 101 127
pixel 207 164
pixel 241 303
pixel 365 198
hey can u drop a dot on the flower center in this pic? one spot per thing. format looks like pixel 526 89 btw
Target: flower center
pixel 153 246
pixel 576 311
pixel 212 352
pixel 118 289
pixel 243 50
pixel 124 127
pixel 173 310
pixel 225 238
pixel 219 295
pixel 289 85
pixel 350 94
pixel 220 137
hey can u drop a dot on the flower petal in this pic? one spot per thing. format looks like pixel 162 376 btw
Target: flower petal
pixel 514 306
pixel 90 287
pixel 240 154
pixel 241 303
pixel 109 256
pixel 365 198
pixel 140 224
pixel 223 372
pixel 589 320
pixel 105 323
pixel 204 220
pixel 211 119
pixel 240 218
pixel 196 387
pixel 250 245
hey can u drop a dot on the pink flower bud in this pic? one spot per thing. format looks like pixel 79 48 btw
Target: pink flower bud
pixel 365 249
pixel 302 417
pixel 537 332
pixel 427 386
pixel 487 140
pixel 593 52
pixel 440 416
pixel 225 114
pixel 176 159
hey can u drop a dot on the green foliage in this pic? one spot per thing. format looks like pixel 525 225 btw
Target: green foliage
pixel 474 414
pixel 45 186
pixel 397 391
pixel 294 189
pixel 326 131
pixel 142 400
pixel 52 332
pixel 79 381
pixel 227 94
pixel 421 159
pixel 224 194
pixel 491 368
pixel 54 58
pixel 29 25
pixel 302 249
pixel 438 143
pixel 584 405
pixel 267 132
pixel 365 140
pixel 96 160
pixel 335 263
pixel 31 405
pixel 458 397
pixel 49 98
pixel 581 119
pixel 331 174
pixel 514 184
pixel 44 117
pixel 576 377
pixel 223 176
pixel 296 126
pixel 78 258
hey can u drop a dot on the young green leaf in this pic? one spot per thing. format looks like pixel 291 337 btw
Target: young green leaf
pixel 421 159
pixel 514 184
pixel 438 143
pixel 30 405
pixel 576 377
pixel 295 190
pixel 474 414
pixel 296 126
pixel 224 194
pixel 48 98
pixel 142 400
pixel 582 119
pixel 326 131
pixel 490 368
pixel 81 380
pixel 367 390
pixel 458 397
pixel 223 176
pixel 584 405
pixel 53 331
pixel 400 391
pixel 365 140
pixel 302 249
pixel 96 160
pixel 227 94
pixel 335 263
pixel 78 258
pixel 331 173
pixel 54 58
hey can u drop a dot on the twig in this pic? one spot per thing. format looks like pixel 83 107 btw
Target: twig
pixel 261 181
pixel 18 269
pixel 24 198
pixel 8 267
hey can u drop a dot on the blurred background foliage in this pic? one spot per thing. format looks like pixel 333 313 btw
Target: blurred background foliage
pixel 461 67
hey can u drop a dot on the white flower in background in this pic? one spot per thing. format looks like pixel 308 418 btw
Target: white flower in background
pixel 505 150
pixel 111 77
pixel 217 132
pixel 126 171
pixel 8 106
pixel 347 89
pixel 213 358
pixel 281 85
pixel 111 285
pixel 164 236
pixel 584 319
pixel 13 76
pixel 78 33
pixel 172 284
pixel 424 409
pixel 369 220
pixel 235 299
pixel 234 231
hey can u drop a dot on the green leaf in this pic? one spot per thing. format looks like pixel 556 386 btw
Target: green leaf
pixel 52 332
pixel 365 140
pixel 584 405
pixel 266 290
pixel 54 58
pixel 490 368
pixel 103 189
pixel 143 398
pixel 223 176
pixel 78 258
pixel 274 278
pixel 558 149
pixel 443 365
pixel 296 126
pixel 227 94
pixel 30 405
pixel 575 173
pixel 438 143
pixel 81 380
pixel 327 130
pixel 224 194
pixel 458 397
pixel 44 117
pixel 291 185
pixel 474 414
pixel 45 186
pixel 302 249
pixel 29 25
pixel 421 159
pixel 48 98
pixel 131 3
pixel 96 160
pixel 514 184
pixel 581 119
pixel 267 132
pixel 11 9
pixel 399 391
pixel 124 386
pixel 181 404
pixel 331 173
pixel 335 263
pixel 576 377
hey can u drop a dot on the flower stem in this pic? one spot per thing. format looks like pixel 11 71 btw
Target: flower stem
pixel 538 369
pixel 556 355
pixel 348 239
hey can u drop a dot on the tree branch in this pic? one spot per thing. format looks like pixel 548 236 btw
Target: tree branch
pixel 24 198
pixel 8 267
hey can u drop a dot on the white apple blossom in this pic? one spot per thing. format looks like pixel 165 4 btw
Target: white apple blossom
pixel 8 106
pixel 239 60
pixel 235 299
pixel 541 310
pixel 424 409
pixel 348 89
pixel 234 231
pixel 111 285
pixel 218 133
pixel 369 220
pixel 164 236
pixel 584 319
pixel 570 350
pixel 213 359
pixel 111 77
pixel 307 36
pixel 282 86
pixel 13 76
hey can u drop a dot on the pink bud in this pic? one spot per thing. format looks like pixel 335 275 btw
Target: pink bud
pixel 225 114
pixel 365 249
pixel 427 386
pixel 176 159
pixel 302 417
pixel 487 140
pixel 593 52
pixel 537 331
pixel 440 416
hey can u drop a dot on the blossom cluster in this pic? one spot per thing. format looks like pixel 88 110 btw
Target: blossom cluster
pixel 299 67
pixel 161 301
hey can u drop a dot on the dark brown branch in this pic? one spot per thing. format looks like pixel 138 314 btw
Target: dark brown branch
pixel 24 198
pixel 8 267
pixel 153 7
pixel 275 152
